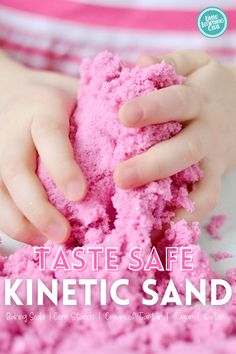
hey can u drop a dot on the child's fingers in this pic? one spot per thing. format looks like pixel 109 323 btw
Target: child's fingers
pixel 13 222
pixel 205 197
pixel 179 103
pixel 145 60
pixel 164 159
pixel 50 135
pixel 184 61
pixel 28 194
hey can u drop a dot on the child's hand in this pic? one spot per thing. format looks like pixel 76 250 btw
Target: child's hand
pixel 206 106
pixel 34 111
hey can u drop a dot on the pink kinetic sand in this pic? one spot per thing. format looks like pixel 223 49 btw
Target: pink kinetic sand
pixel 219 256
pixel 113 217
pixel 214 225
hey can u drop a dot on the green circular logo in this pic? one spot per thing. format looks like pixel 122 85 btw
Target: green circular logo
pixel 212 22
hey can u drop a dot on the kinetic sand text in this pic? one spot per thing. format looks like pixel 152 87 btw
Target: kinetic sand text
pixel 107 258
pixel 72 292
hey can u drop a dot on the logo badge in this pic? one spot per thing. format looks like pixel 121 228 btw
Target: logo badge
pixel 212 22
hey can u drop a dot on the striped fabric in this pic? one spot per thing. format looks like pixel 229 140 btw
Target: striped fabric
pixel 56 34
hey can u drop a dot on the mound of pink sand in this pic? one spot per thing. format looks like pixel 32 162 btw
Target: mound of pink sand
pixel 113 217
pixel 221 255
pixel 216 222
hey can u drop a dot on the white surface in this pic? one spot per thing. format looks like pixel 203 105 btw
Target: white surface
pixel 226 206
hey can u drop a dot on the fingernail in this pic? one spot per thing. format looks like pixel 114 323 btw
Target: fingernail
pixel 133 113
pixel 75 190
pixel 56 232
